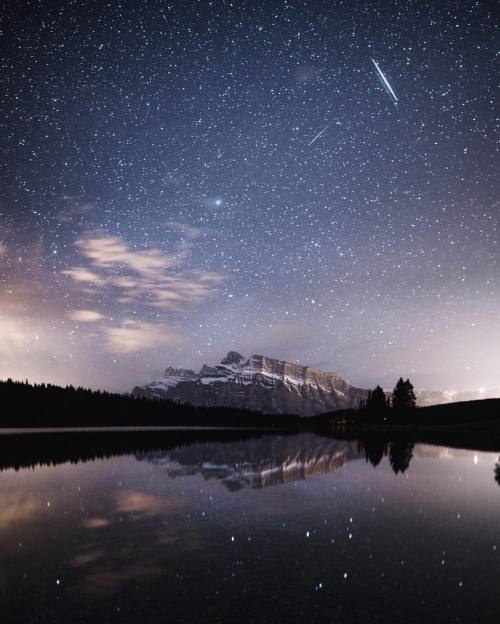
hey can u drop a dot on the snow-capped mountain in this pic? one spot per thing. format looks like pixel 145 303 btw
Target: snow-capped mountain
pixel 259 383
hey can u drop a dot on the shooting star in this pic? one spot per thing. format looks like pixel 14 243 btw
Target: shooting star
pixel 385 84
pixel 318 135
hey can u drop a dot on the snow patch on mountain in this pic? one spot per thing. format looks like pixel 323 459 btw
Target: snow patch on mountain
pixel 258 382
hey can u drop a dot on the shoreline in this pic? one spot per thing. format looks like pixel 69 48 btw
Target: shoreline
pixel 129 429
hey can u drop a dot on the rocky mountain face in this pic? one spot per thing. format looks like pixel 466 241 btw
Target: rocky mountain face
pixel 259 383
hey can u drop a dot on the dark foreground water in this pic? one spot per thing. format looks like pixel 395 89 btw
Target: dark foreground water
pixel 272 529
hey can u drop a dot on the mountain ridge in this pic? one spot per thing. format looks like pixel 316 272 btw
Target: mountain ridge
pixel 259 383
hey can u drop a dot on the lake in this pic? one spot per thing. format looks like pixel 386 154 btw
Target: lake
pixel 235 527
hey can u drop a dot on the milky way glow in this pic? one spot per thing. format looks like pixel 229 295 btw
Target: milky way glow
pixel 160 203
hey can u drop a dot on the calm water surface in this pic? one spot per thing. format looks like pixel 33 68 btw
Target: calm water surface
pixel 274 529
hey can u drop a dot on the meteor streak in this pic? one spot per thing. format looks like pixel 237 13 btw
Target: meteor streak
pixel 385 83
pixel 318 135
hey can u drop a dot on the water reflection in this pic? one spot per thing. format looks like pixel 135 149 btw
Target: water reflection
pixel 237 458
pixel 400 451
pixel 27 450
pixel 219 527
pixel 258 462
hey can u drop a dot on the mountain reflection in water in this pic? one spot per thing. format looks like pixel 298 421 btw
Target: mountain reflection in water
pixel 274 460
pixel 259 462
pixel 184 527
pixel 237 458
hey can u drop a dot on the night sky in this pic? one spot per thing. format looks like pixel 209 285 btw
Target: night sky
pixel 165 197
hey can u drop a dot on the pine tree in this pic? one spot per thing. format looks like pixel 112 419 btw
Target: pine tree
pixel 403 395
pixel 375 410
pixel 411 399
pixel 398 395
pixel 376 400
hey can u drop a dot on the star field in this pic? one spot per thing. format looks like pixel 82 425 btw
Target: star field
pixel 162 204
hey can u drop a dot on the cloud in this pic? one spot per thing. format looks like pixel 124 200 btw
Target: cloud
pixel 125 282
pixel 3 249
pixel 111 252
pixel 81 274
pixel 86 316
pixel 38 348
pixel 135 336
pixel 124 276
pixel 15 336
pixel 147 277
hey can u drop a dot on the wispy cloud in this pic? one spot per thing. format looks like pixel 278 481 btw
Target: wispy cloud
pixel 86 316
pixel 149 277
pixel 111 252
pixel 122 276
pixel 81 274
pixel 3 250
pixel 133 336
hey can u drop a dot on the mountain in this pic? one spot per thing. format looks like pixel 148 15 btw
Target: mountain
pixel 258 383
pixel 426 398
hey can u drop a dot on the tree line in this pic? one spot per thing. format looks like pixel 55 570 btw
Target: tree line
pixel 45 405
pixel 397 406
